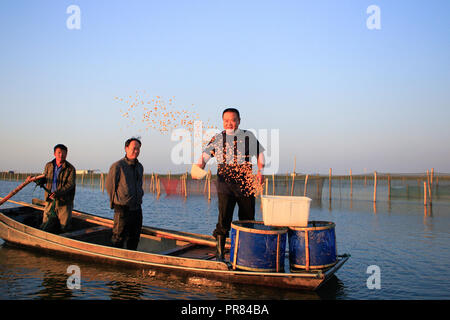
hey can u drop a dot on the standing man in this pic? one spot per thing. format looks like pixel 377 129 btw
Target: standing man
pixel 60 181
pixel 233 149
pixel 124 187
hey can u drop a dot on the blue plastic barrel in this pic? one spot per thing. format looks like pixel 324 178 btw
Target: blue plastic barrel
pixel 257 247
pixel 313 246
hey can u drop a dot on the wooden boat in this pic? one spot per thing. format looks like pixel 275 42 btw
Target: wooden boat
pixel 159 249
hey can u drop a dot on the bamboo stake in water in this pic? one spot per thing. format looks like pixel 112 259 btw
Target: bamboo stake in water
pixel 306 185
pixel 329 184
pixel 429 189
pixel 375 186
pixel 389 187
pixel 293 181
pixel 424 193
pixel 351 184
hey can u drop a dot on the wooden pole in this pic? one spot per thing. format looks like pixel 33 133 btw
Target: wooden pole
pixel 375 186
pixel 20 187
pixel 424 193
pixel 351 184
pixel 267 184
pixel 429 188
pixel 389 187
pixel 293 181
pixel 306 185
pixel 329 184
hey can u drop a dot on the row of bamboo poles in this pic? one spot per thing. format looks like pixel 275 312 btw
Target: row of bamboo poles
pixel 154 186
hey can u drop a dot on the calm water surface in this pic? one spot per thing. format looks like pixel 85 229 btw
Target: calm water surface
pixel 407 243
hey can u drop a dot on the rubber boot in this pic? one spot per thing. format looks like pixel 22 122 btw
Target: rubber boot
pixel 220 248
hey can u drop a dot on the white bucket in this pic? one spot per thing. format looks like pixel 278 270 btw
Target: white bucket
pixel 285 211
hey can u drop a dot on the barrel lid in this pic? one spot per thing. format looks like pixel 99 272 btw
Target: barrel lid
pixel 316 225
pixel 257 227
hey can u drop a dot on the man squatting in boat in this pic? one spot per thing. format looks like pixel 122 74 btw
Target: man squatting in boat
pixel 233 149
pixel 124 187
pixel 60 181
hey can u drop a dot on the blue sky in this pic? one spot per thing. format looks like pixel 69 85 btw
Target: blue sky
pixel 342 96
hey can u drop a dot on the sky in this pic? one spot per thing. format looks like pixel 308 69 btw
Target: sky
pixel 338 94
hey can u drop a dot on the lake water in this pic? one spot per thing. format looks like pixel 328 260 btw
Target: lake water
pixel 409 245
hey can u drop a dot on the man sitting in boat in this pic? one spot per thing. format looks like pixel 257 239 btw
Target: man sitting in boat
pixel 59 185
pixel 233 149
pixel 124 187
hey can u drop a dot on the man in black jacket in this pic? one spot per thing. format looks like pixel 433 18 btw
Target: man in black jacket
pixel 124 187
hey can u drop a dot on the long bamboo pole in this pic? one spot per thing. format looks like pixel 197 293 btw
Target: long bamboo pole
pixel 20 187
pixel 306 185
pixel 429 189
pixel 351 184
pixel 389 187
pixel 424 193
pixel 329 184
pixel 375 186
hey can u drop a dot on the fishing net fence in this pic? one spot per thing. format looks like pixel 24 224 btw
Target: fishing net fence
pixel 382 186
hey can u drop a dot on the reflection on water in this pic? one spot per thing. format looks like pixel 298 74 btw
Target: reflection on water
pixel 408 241
pixel 29 274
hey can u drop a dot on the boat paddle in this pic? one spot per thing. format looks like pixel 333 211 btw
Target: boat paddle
pixel 20 187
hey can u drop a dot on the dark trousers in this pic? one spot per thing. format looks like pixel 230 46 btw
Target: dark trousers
pixel 127 227
pixel 227 202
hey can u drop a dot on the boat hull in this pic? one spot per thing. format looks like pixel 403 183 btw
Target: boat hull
pixel 19 234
